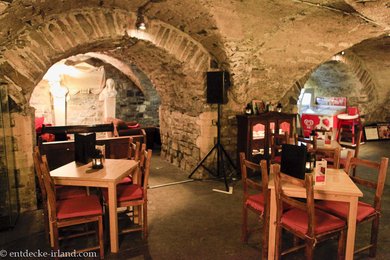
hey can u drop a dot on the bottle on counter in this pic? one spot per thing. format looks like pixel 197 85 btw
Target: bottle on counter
pixel 248 109
pixel 279 107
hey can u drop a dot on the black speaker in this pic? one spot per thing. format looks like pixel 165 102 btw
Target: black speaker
pixel 217 84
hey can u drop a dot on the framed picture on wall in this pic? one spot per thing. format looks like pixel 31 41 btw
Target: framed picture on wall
pixel 384 131
pixel 371 133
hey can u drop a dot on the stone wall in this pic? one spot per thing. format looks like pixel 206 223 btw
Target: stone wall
pixel 179 133
pixel 23 146
pixel 84 107
pixel 132 104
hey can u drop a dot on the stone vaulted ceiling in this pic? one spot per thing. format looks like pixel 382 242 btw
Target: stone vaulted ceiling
pixel 267 45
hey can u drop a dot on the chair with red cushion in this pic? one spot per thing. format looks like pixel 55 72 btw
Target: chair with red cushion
pixel 255 198
pixel 71 212
pixel 135 194
pixel 62 192
pixel 37 166
pixel 332 156
pixel 366 212
pixel 302 219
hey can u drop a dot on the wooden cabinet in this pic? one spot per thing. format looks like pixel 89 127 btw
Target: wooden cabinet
pixel 254 133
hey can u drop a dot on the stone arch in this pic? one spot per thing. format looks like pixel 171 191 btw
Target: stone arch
pixel 368 91
pixel 24 63
pixel 106 31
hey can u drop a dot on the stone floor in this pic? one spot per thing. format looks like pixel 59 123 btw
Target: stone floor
pixel 188 220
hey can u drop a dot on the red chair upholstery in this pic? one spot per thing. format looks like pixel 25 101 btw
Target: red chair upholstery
pixel 71 212
pixel 255 199
pixel 70 192
pixel 366 212
pixel 135 194
pixel 302 219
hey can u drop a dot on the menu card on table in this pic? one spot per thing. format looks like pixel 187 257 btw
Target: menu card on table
pixel 320 172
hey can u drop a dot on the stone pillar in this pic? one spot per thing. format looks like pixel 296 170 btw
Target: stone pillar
pixel 59 94
pixel 208 132
pixel 108 95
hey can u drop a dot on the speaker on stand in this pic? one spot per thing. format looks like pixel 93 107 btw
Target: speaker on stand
pixel 217 84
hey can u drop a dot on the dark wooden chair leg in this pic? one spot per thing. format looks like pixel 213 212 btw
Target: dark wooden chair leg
pixel 244 229
pixel 101 237
pixel 374 236
pixel 145 220
pixel 309 249
pixel 341 245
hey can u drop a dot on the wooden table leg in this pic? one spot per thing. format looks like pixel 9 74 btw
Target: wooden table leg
pixel 112 208
pixel 351 228
pixel 272 225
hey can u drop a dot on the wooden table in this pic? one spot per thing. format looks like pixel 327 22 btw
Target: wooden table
pixel 83 175
pixel 338 187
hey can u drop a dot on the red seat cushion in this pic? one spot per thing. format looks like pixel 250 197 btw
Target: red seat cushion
pixel 341 209
pixel 256 202
pixel 277 159
pixel 79 207
pixel 126 192
pixel 297 220
pixel 126 180
pixel 70 192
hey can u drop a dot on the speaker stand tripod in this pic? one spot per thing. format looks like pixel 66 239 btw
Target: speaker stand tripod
pixel 220 152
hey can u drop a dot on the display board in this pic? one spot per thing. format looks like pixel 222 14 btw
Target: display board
pixel 379 131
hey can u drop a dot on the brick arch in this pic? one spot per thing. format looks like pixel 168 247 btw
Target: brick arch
pixel 23 64
pixel 368 91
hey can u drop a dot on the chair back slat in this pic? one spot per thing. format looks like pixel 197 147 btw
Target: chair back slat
pixel 283 199
pixel 37 165
pixel 255 168
pixel 119 148
pixel 134 150
pixel 367 181
pixel 50 189
pixel 144 166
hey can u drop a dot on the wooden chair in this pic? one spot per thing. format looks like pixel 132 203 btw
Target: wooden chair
pixel 134 150
pixel 37 165
pixel 302 219
pixel 332 156
pixel 71 212
pixel 276 146
pixel 366 212
pixel 311 144
pixel 62 192
pixel 322 132
pixel 135 194
pixel 255 199
pixel 134 153
pixel 349 141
